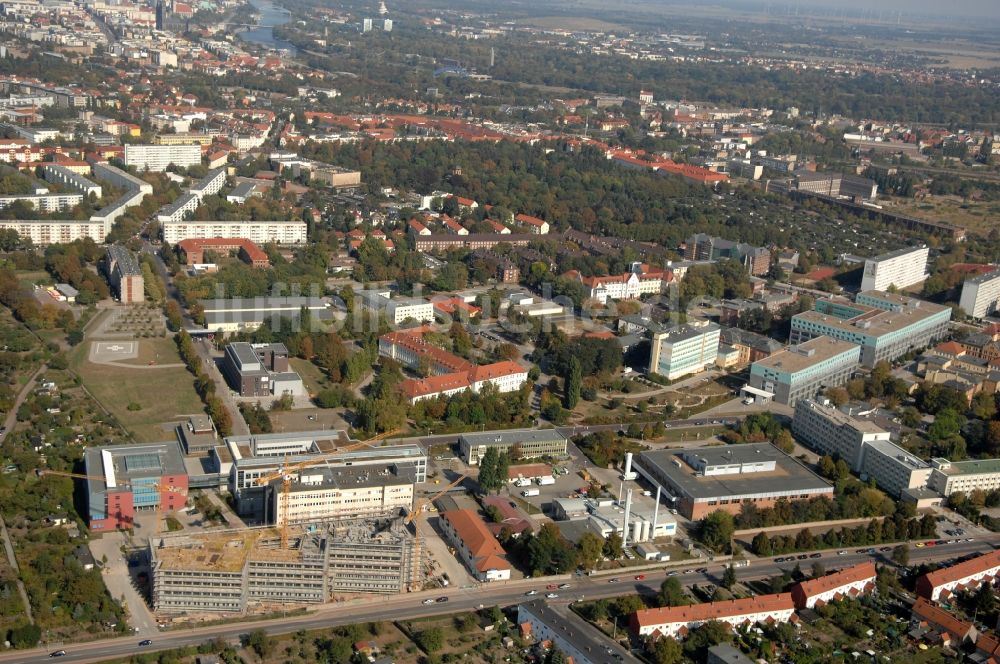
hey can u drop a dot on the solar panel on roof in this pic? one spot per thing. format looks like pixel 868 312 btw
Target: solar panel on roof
pixel 134 462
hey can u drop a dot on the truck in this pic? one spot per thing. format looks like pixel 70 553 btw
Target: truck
pixel 522 481
pixel 548 479
pixel 527 493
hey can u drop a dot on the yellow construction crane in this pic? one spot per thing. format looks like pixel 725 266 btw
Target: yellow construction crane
pixel 285 472
pixel 162 488
pixel 418 536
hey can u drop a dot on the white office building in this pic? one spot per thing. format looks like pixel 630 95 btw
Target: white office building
pixel 158 157
pixel 396 309
pixel 948 477
pixel 684 350
pixel 980 294
pixel 901 268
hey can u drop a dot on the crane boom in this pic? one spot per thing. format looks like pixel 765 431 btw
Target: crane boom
pixel 427 501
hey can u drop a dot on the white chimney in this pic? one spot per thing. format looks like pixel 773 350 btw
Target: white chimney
pixel 628 463
pixel 628 509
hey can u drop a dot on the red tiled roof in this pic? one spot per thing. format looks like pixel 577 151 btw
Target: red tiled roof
pixel 449 306
pixel 531 221
pixel 940 619
pixel 824 584
pixel 714 610
pixel 946 575
pixel 950 348
pixel 477 538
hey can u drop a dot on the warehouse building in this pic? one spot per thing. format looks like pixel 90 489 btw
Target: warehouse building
pixel 232 571
pixel 245 314
pixel 701 480
pixel 134 477
pixel 519 443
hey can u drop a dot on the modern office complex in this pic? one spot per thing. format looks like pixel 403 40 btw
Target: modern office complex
pixel 232 571
pixel 243 460
pixel 684 350
pixel 124 275
pixel 948 477
pixel 519 443
pixel 901 268
pixel 885 325
pixel 261 232
pixel 980 294
pixel 260 370
pixel 135 477
pixel 323 493
pixel 701 480
pixel 395 309
pixel 158 157
pixel 800 372
pixel 863 445
pixel 245 314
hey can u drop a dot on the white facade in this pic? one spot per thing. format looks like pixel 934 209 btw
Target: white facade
pixel 684 350
pixel 120 178
pixel 45 203
pixel 158 157
pixel 948 477
pixel 73 180
pixel 177 210
pixel 49 231
pixel 397 310
pixel 901 269
pixel 674 621
pixel 330 502
pixel 261 232
pixel 825 589
pixel 981 294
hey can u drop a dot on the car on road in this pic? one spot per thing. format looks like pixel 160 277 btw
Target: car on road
pixel 640 577
pixel 779 560
pixel 930 543
pixel 861 551
pixel 563 586
pixel 816 555
pixel 145 642
pixel 885 548
pixel 58 653
pixel 701 570
pixel 551 596
pixel 441 599
pixel 842 553
pixel 614 580
pixel 673 573
pixel 552 586
pixel 919 545
pixel 530 593
pixel 429 600
pixel 801 556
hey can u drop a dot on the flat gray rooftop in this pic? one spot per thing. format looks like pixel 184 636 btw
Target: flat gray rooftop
pixel 789 475
pixel 513 436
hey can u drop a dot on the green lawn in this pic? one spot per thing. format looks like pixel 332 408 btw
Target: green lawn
pixel 312 376
pixel 164 394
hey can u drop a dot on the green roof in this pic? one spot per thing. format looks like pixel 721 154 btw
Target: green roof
pixel 976 466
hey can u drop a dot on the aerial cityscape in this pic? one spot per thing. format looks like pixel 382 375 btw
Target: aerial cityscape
pixel 560 332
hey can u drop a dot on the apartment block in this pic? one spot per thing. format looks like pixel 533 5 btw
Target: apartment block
pixel 677 621
pixel 885 325
pixel 802 371
pixel 56 231
pixel 863 445
pixel 901 268
pixel 157 158
pixel 684 350
pixel 980 294
pixel 581 643
pixel 261 232
pixel 948 477
pixel 969 575
pixel 71 179
pixel 849 582
pixel 519 443
pixel 44 203
pixel 183 207
pixel 124 275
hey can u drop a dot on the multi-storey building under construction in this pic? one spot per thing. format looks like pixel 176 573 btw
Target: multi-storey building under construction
pixel 234 571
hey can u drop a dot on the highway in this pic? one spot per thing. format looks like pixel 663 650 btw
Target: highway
pixel 409 606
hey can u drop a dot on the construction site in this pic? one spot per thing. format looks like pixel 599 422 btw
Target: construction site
pixel 253 569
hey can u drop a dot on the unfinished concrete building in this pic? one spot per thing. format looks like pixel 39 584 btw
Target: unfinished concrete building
pixel 235 571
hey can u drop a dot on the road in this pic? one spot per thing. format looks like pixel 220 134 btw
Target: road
pixel 404 607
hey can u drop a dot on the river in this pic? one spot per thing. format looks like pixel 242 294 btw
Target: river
pixel 263 35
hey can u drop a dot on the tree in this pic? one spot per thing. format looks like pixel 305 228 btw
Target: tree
pixel 556 656
pixel 430 640
pixel 728 577
pixel 716 530
pixel 818 570
pixel 573 382
pixel 590 549
pixel 489 471
pixel 761 544
pixel 784 441
pixel 666 650
pixel 672 593
pixel 260 643
pixel 25 636
pixel 613 546
pixel 985 599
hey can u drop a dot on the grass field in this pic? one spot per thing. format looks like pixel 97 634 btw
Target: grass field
pixel 158 351
pixel 974 215
pixel 581 23
pixel 312 376
pixel 164 394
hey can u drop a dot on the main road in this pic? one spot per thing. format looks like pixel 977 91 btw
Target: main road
pixel 404 607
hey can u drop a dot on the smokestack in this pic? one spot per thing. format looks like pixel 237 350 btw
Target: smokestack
pixel 628 509
pixel 656 510
pixel 628 464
